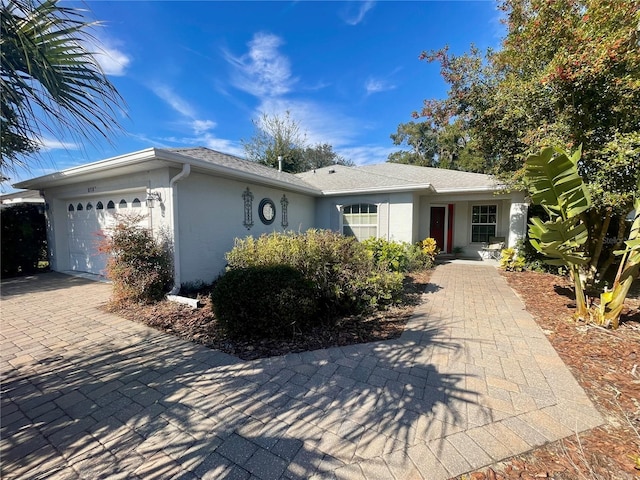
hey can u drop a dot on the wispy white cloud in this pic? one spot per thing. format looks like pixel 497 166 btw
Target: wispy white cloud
pixel 201 126
pixel 112 59
pixel 263 71
pixel 376 85
pixel 174 100
pixel 366 154
pixel 49 144
pixel 222 145
pixel 184 108
pixel 266 73
pixel 355 11
pixel 322 123
pixel 206 140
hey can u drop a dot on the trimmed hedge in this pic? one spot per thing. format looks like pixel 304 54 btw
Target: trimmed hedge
pixel 24 239
pixel 343 274
pixel 264 301
pixel 281 284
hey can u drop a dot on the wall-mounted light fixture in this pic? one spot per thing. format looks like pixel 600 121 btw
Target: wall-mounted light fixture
pixel 152 197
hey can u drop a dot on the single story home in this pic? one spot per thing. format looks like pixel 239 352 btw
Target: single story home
pixel 203 199
pixel 23 197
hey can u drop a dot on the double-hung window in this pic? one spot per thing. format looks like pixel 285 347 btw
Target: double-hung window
pixel 484 219
pixel 360 220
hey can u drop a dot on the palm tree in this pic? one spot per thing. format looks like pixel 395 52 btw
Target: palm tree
pixel 49 80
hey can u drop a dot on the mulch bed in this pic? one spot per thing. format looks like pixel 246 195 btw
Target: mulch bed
pixel 605 362
pixel 200 326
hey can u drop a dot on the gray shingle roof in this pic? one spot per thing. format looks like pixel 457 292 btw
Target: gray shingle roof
pixel 236 163
pixel 394 175
pixel 440 178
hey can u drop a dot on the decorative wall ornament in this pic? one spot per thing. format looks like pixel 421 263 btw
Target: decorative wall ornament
pixel 267 211
pixel 284 202
pixel 247 196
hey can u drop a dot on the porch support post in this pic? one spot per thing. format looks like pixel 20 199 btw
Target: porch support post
pixel 450 228
pixel 517 223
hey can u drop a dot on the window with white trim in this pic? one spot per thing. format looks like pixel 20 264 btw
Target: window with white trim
pixel 360 220
pixel 484 220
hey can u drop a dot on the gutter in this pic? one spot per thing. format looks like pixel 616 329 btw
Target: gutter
pixel 372 190
pixel 161 155
pixel 186 170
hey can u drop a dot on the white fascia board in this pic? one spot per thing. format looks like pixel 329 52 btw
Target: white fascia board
pixel 13 201
pixel 392 189
pixel 496 188
pixel 151 154
pixel 94 167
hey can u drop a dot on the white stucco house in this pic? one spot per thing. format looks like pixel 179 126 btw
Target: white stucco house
pixel 203 200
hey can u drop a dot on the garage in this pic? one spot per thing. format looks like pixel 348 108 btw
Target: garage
pixel 88 219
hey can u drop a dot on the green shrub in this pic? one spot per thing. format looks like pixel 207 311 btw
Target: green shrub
pixel 265 301
pixel 393 256
pixel 24 239
pixel 534 260
pixel 511 261
pixel 344 277
pixel 401 256
pixel 139 265
pixel 429 249
pixel 380 289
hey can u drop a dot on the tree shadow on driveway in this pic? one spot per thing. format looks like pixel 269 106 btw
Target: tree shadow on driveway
pixel 147 404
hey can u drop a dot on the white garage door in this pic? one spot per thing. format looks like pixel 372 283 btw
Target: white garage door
pixel 88 220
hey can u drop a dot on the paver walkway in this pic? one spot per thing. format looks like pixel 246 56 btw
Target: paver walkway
pixel 86 394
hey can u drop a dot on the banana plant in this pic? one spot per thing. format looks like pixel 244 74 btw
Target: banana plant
pixel 553 182
pixel 612 301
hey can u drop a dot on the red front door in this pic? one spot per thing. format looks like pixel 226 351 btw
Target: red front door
pixel 436 228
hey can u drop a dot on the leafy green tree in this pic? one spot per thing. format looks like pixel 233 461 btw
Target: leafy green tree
pixel 277 136
pixel 566 75
pixel 49 79
pixel 421 138
pixel 322 155
pixel 280 136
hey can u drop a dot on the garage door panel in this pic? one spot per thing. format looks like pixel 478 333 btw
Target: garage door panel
pixel 87 226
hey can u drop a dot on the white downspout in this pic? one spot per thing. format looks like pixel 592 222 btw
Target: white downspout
pixel 186 170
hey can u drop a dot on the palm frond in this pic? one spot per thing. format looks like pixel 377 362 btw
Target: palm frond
pixel 49 77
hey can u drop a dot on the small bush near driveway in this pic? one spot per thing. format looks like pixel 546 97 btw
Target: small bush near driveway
pixel 139 265
pixel 343 277
pixel 271 301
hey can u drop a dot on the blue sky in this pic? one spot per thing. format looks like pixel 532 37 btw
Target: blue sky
pixel 197 73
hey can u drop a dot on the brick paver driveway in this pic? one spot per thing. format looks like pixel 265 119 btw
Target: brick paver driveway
pixel 86 394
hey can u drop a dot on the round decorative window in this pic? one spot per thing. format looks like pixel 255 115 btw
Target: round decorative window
pixel 267 211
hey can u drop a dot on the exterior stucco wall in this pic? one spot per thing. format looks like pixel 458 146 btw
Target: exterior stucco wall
pixel 395 213
pixel 510 224
pixel 114 188
pixel 401 217
pixel 211 215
